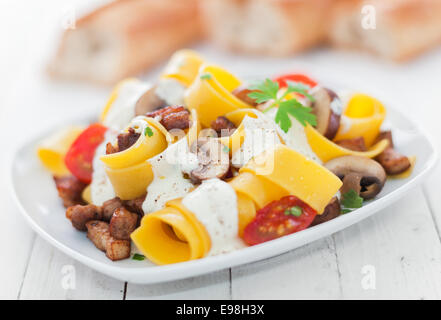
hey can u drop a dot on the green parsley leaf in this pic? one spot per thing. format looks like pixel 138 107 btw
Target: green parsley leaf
pixel 268 90
pixel 343 211
pixel 351 200
pixel 297 110
pixel 148 131
pixel 205 76
pixel 264 91
pixel 138 257
pixel 295 211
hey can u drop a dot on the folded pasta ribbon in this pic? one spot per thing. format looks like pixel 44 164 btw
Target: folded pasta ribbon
pixel 53 149
pixel 174 234
pixel 282 172
pixel 211 94
pixel 362 117
pixel 129 171
pixel 327 150
pixel 183 66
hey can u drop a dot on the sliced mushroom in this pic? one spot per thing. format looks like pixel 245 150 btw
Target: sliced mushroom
pixel 391 160
pixel 148 102
pixel 213 158
pixel 355 144
pixel 332 210
pixel 327 107
pixel 366 176
pixel 242 94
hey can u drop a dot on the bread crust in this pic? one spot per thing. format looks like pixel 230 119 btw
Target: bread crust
pixel 405 28
pixel 133 35
pixel 269 27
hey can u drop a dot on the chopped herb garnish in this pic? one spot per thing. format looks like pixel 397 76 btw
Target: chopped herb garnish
pixel 139 257
pixel 295 211
pixel 148 131
pixel 205 76
pixel 268 90
pixel 351 200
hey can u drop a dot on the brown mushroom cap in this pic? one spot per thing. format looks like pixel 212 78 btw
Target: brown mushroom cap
pixel 148 102
pixel 366 176
pixel 327 108
pixel 213 159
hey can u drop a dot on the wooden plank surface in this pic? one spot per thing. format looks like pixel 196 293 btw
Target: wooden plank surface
pixel 51 274
pixel 399 247
pixel 211 286
pixel 309 272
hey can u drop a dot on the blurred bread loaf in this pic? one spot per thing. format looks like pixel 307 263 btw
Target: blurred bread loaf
pixel 125 37
pixel 269 27
pixel 404 28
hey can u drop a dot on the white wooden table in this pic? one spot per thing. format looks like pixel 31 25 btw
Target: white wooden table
pixel 401 243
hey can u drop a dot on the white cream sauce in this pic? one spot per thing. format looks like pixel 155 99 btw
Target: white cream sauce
pixel 214 204
pixel 169 182
pixel 260 135
pixel 296 138
pixel 101 188
pixel 123 108
pixel 171 91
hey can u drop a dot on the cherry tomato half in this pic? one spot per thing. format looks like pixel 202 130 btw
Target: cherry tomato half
pixel 277 219
pixel 80 154
pixel 294 77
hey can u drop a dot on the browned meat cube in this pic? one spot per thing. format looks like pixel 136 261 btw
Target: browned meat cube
pixel 242 93
pixel 117 249
pixel 223 126
pixel 355 144
pixel 135 205
pixel 98 233
pixel 332 210
pixel 122 224
pixel 79 215
pixel 110 206
pixel 391 160
pixel 386 135
pixel 124 141
pixel 173 117
pixel 70 190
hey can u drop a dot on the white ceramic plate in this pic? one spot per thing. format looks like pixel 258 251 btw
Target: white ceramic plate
pixel 37 198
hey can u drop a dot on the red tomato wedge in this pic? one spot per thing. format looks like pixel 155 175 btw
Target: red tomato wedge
pixel 277 219
pixel 294 77
pixel 80 154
